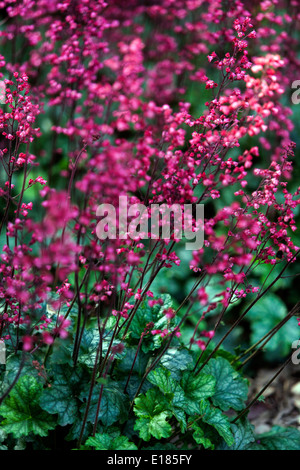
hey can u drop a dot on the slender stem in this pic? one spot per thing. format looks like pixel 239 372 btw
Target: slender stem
pixel 93 380
pixel 11 386
pixel 241 317
pixel 240 415
pixel 157 360
pixel 267 337
pixel 134 361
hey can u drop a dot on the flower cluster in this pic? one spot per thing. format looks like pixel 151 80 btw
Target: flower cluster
pixel 103 105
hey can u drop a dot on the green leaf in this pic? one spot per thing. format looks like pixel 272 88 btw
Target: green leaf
pixel 156 426
pixel 279 439
pixel 150 403
pixel 62 350
pixel 159 427
pixel 12 369
pixel 112 406
pixel 243 436
pixel 196 389
pixel 142 425
pixel 89 345
pixel 126 362
pixel 199 387
pixel 144 315
pixel 200 436
pixel 215 418
pixel 176 361
pixel 22 412
pixel 62 397
pixel 133 386
pixel 162 378
pixel 110 441
pixel 231 389
pixel 76 428
pixel 150 409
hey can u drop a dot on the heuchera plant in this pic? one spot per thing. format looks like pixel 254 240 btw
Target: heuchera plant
pixel 98 104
